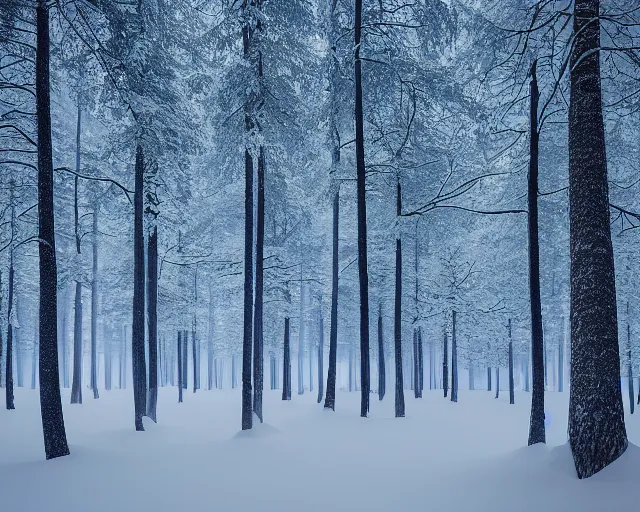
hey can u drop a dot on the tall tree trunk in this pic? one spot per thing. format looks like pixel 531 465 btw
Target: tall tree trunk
pixel 210 360
pixel 94 307
pixel 180 369
pixel 9 354
pixel 416 374
pixel 55 438
pixel 630 366
pixel 138 359
pixel 330 400
pixel 152 313
pixel 420 363
pixel 536 424
pixel 362 222
pixel 381 369
pixel 194 355
pixel 258 359
pixel 511 390
pixel 76 386
pixel 445 364
pixel 321 359
pixel 301 336
pixel 595 360
pixel 561 358
pixel 397 321
pixel 34 357
pixel 247 339
pixel 488 378
pixel 286 366
pixel 454 360
pixel 497 381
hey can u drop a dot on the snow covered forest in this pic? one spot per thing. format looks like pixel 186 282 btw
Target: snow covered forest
pixel 230 230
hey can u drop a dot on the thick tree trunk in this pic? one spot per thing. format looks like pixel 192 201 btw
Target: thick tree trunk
pixel 152 313
pixel 286 366
pixel 55 438
pixel 454 360
pixel 321 359
pixel 94 307
pixel 138 358
pixel 595 359
pixel 382 377
pixel 630 367
pixel 330 400
pixel 561 359
pixel 362 222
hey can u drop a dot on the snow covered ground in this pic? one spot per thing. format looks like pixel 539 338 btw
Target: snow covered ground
pixel 442 456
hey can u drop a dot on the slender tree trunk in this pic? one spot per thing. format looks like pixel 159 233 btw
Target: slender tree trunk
pixel 445 364
pixel 9 354
pixel 138 359
pixel 185 358
pixel 76 386
pixel 536 425
pixel 34 357
pixel 55 438
pixel 561 359
pixel 420 362
pixel 152 313
pixel 595 360
pixel 381 369
pixel 489 378
pixel 210 359
pixel 286 366
pixel 330 400
pixel 497 381
pixel 258 358
pixel 301 335
pixel 415 381
pixel 511 390
pixel 247 420
pixel 194 355
pixel 94 308
pixel 321 359
pixel 362 222
pixel 630 366
pixel 180 369
pixel 454 360
pixel 397 321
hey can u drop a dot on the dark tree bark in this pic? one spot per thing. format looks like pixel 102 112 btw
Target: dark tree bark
pixel 138 359
pixel 454 360
pixel 258 359
pixel 9 354
pixel 497 381
pixel 152 313
pixel 185 359
pixel 420 363
pixel 94 308
pixel 445 364
pixel 76 386
pixel 194 355
pixel 416 375
pixel 247 339
pixel 301 335
pixel 536 424
pixel 561 360
pixel 382 377
pixel 511 390
pixel 330 400
pixel 55 438
pixel 489 378
pixel 1 340
pixel 630 367
pixel 397 321
pixel 595 359
pixel 179 351
pixel 286 366
pixel 362 222
pixel 321 359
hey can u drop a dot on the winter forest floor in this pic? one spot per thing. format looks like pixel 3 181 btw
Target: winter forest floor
pixel 442 456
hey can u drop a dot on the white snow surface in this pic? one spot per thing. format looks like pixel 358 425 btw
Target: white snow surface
pixel 470 455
